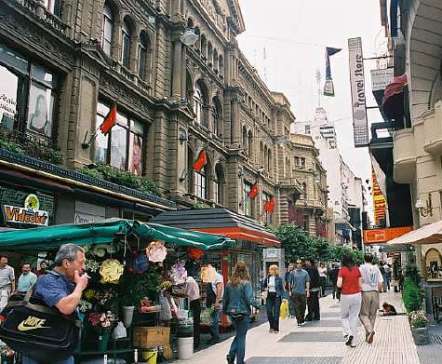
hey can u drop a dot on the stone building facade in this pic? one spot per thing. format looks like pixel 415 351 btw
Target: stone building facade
pixel 73 61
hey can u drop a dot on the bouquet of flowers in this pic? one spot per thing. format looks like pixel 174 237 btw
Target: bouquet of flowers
pixel 101 321
pixel 418 319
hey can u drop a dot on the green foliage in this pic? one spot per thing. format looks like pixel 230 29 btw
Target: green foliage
pixel 412 273
pixel 412 295
pixel 134 287
pixel 300 245
pixel 124 178
pixel 200 205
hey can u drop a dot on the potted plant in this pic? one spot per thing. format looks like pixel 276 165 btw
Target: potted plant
pixel 102 323
pixel 419 327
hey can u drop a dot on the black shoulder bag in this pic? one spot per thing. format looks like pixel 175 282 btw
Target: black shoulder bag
pixel 38 331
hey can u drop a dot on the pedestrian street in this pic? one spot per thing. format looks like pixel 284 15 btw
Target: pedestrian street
pixel 322 342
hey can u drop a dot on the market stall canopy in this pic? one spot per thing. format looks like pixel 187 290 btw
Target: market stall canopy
pixel 46 238
pixel 428 234
pixel 219 221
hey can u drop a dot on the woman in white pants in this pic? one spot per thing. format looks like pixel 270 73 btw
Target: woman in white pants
pixel 350 282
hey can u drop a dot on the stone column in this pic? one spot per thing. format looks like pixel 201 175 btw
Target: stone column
pixel 177 67
pixel 235 124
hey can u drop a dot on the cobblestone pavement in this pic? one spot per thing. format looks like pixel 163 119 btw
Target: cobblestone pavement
pixel 322 342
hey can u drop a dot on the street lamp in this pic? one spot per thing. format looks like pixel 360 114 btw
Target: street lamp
pixel 425 209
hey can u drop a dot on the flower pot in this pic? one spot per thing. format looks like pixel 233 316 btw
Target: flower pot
pixel 420 335
pixel 128 314
pixel 103 340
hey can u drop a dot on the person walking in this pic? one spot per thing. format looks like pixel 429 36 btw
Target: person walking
pixel 333 275
pixel 63 287
pixel 7 281
pixel 275 293
pixel 315 288
pixel 387 270
pixel 214 299
pixel 323 277
pixel 349 280
pixel 287 288
pixel 26 280
pixel 372 283
pixel 300 290
pixel 237 299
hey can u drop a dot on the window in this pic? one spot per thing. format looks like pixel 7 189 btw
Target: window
pixel 216 114
pixel 27 94
pixel 250 142
pixel 304 191
pixel 203 46
pixel 244 139
pixel 307 129
pixel 123 147
pixel 53 6
pixel 218 185
pixel 270 161
pixel 215 60
pixel 300 162
pixel 198 104
pixel 107 29
pixel 210 54
pixel 306 226
pixel 221 65
pixel 126 40
pixel 199 183
pixel 247 208
pixel 266 216
pixel 143 61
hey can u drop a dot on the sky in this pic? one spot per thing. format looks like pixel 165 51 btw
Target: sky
pixel 285 41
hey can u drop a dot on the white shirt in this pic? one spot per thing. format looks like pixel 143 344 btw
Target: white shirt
pixel 322 272
pixel 192 289
pixel 371 277
pixel 218 279
pixel 272 284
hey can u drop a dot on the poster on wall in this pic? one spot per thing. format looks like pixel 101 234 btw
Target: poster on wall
pixel 357 82
pixel 40 110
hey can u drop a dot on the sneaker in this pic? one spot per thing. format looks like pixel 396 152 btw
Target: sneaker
pixel 370 337
pixel 349 340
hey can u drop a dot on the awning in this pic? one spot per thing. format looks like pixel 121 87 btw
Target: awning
pixel 393 102
pixel 219 221
pixel 47 238
pixel 428 234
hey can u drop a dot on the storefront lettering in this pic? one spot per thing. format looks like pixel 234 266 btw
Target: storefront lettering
pixel 20 215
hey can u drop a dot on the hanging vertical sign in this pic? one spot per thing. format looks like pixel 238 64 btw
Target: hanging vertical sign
pixel 329 89
pixel 357 82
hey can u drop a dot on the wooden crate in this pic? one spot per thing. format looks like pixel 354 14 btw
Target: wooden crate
pixel 151 337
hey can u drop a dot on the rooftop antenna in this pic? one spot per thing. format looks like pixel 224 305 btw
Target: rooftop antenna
pixel 318 80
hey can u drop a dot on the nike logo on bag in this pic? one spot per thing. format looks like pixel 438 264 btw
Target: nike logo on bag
pixel 32 323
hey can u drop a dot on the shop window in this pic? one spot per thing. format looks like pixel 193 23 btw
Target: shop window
pixel 199 183
pixel 247 208
pixel 123 147
pixel 126 43
pixel 27 94
pixel 107 29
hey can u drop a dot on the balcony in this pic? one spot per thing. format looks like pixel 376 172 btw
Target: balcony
pixel 433 130
pixel 404 156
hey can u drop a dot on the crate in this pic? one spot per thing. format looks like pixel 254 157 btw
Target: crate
pixel 151 337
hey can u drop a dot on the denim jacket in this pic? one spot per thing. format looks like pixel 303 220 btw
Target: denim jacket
pixel 279 285
pixel 238 299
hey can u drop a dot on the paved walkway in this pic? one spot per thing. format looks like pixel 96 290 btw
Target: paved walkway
pixel 322 342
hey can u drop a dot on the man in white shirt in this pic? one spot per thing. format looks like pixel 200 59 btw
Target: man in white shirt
pixel 372 283
pixel 217 287
pixel 7 281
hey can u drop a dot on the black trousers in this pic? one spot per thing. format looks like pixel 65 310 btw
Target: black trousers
pixel 273 305
pixel 313 307
pixel 195 307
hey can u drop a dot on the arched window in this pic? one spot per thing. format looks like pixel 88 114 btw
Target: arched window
pixel 218 185
pixel 221 65
pixel 199 183
pixel 217 115
pixel 210 54
pixel 198 104
pixel 126 43
pixel 143 56
pixel 215 60
pixel 107 29
pixel 203 46
pixel 250 144
pixel 244 139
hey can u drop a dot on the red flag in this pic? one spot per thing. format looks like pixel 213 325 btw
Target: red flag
pixel 253 191
pixel 201 161
pixel 269 206
pixel 109 121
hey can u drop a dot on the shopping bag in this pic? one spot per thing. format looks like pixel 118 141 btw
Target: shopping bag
pixel 284 309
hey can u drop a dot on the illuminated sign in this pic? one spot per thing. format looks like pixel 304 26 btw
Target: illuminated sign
pixel 29 214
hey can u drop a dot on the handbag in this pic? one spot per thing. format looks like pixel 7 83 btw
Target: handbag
pixel 37 330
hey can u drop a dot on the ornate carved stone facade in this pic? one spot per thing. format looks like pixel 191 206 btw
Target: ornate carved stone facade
pixel 174 100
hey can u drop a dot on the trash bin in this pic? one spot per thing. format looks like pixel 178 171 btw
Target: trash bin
pixel 185 348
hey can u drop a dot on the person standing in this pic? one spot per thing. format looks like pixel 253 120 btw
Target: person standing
pixel 63 287
pixel 275 293
pixel 387 270
pixel 333 275
pixel 26 280
pixel 372 283
pixel 323 277
pixel 315 288
pixel 238 297
pixel 7 281
pixel 43 268
pixel 300 290
pixel 287 288
pixel 214 298
pixel 349 280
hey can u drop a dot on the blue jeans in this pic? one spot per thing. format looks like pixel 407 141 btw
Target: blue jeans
pixel 238 347
pixel 214 327
pixel 70 360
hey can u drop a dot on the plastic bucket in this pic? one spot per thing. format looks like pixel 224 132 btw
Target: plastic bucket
pixel 150 356
pixel 185 348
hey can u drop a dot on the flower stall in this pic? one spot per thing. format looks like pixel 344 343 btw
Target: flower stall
pixel 132 266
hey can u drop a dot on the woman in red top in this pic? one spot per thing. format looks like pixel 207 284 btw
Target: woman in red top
pixel 350 281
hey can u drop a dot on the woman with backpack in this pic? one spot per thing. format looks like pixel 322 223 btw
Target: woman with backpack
pixel 238 297
pixel 275 292
pixel 350 282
